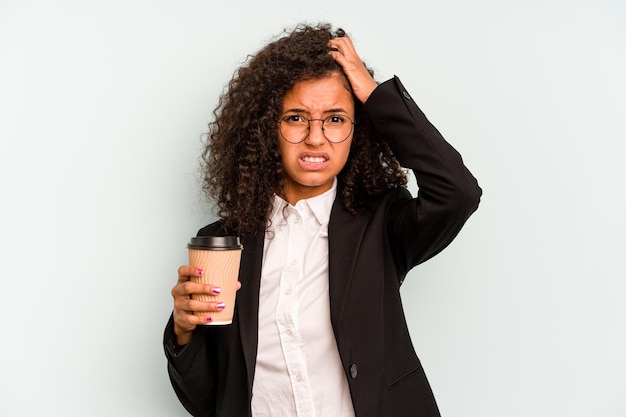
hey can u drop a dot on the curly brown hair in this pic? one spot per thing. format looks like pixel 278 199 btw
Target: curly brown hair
pixel 241 165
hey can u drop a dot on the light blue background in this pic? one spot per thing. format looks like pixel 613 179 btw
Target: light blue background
pixel 102 106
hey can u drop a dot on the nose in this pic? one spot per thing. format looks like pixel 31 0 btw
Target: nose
pixel 316 133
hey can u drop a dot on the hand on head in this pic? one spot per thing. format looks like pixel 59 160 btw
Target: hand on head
pixel 343 51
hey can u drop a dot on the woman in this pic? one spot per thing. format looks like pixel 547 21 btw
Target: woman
pixel 303 160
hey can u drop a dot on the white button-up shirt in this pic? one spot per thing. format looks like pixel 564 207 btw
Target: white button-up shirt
pixel 298 369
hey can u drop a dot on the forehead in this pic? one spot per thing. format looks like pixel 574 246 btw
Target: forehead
pixel 319 96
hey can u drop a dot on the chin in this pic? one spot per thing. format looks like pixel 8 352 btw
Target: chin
pixel 315 182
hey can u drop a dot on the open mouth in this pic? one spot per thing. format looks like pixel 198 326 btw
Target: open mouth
pixel 314 162
pixel 314 159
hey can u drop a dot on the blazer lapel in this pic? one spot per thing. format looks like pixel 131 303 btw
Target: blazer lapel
pixel 248 301
pixel 345 234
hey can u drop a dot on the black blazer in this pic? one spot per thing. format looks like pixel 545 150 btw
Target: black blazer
pixel 369 256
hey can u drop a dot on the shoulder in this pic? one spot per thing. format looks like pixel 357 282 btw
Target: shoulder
pixel 388 198
pixel 214 229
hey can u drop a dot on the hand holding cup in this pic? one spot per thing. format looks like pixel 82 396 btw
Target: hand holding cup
pixel 205 291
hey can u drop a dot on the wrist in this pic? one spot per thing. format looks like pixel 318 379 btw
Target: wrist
pixel 182 337
pixel 366 90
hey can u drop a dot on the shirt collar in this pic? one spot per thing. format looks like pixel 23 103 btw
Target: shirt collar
pixel 320 205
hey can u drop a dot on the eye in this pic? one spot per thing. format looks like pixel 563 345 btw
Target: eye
pixel 294 119
pixel 335 119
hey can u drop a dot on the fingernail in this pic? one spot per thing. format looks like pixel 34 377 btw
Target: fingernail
pixel 220 306
pixel 216 290
pixel 199 271
pixel 209 319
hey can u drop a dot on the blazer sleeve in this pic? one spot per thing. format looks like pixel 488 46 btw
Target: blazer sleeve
pixel 192 368
pixel 190 371
pixel 421 227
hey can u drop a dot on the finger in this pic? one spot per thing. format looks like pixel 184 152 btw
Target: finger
pixel 202 314
pixel 187 288
pixel 204 319
pixel 347 58
pixel 343 45
pixel 341 59
pixel 187 321
pixel 344 40
pixel 192 306
pixel 187 271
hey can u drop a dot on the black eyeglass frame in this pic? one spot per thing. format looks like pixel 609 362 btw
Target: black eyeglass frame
pixel 352 123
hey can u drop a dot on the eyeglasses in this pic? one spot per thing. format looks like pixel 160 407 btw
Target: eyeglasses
pixel 296 128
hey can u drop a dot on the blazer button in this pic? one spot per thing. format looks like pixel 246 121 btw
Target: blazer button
pixel 406 95
pixel 354 371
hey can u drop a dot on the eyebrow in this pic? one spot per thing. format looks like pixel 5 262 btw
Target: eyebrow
pixel 333 110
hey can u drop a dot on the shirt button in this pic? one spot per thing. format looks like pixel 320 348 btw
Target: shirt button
pixel 288 291
pixel 354 370
pixel 294 262
pixel 296 220
pixel 289 333
pixel 299 377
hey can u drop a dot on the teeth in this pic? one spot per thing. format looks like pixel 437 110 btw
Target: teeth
pixel 317 159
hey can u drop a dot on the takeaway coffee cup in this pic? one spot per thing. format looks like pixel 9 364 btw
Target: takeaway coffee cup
pixel 219 258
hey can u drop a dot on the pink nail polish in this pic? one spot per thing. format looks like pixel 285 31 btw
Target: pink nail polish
pixel 220 306
pixel 199 271
pixel 216 290
pixel 209 319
